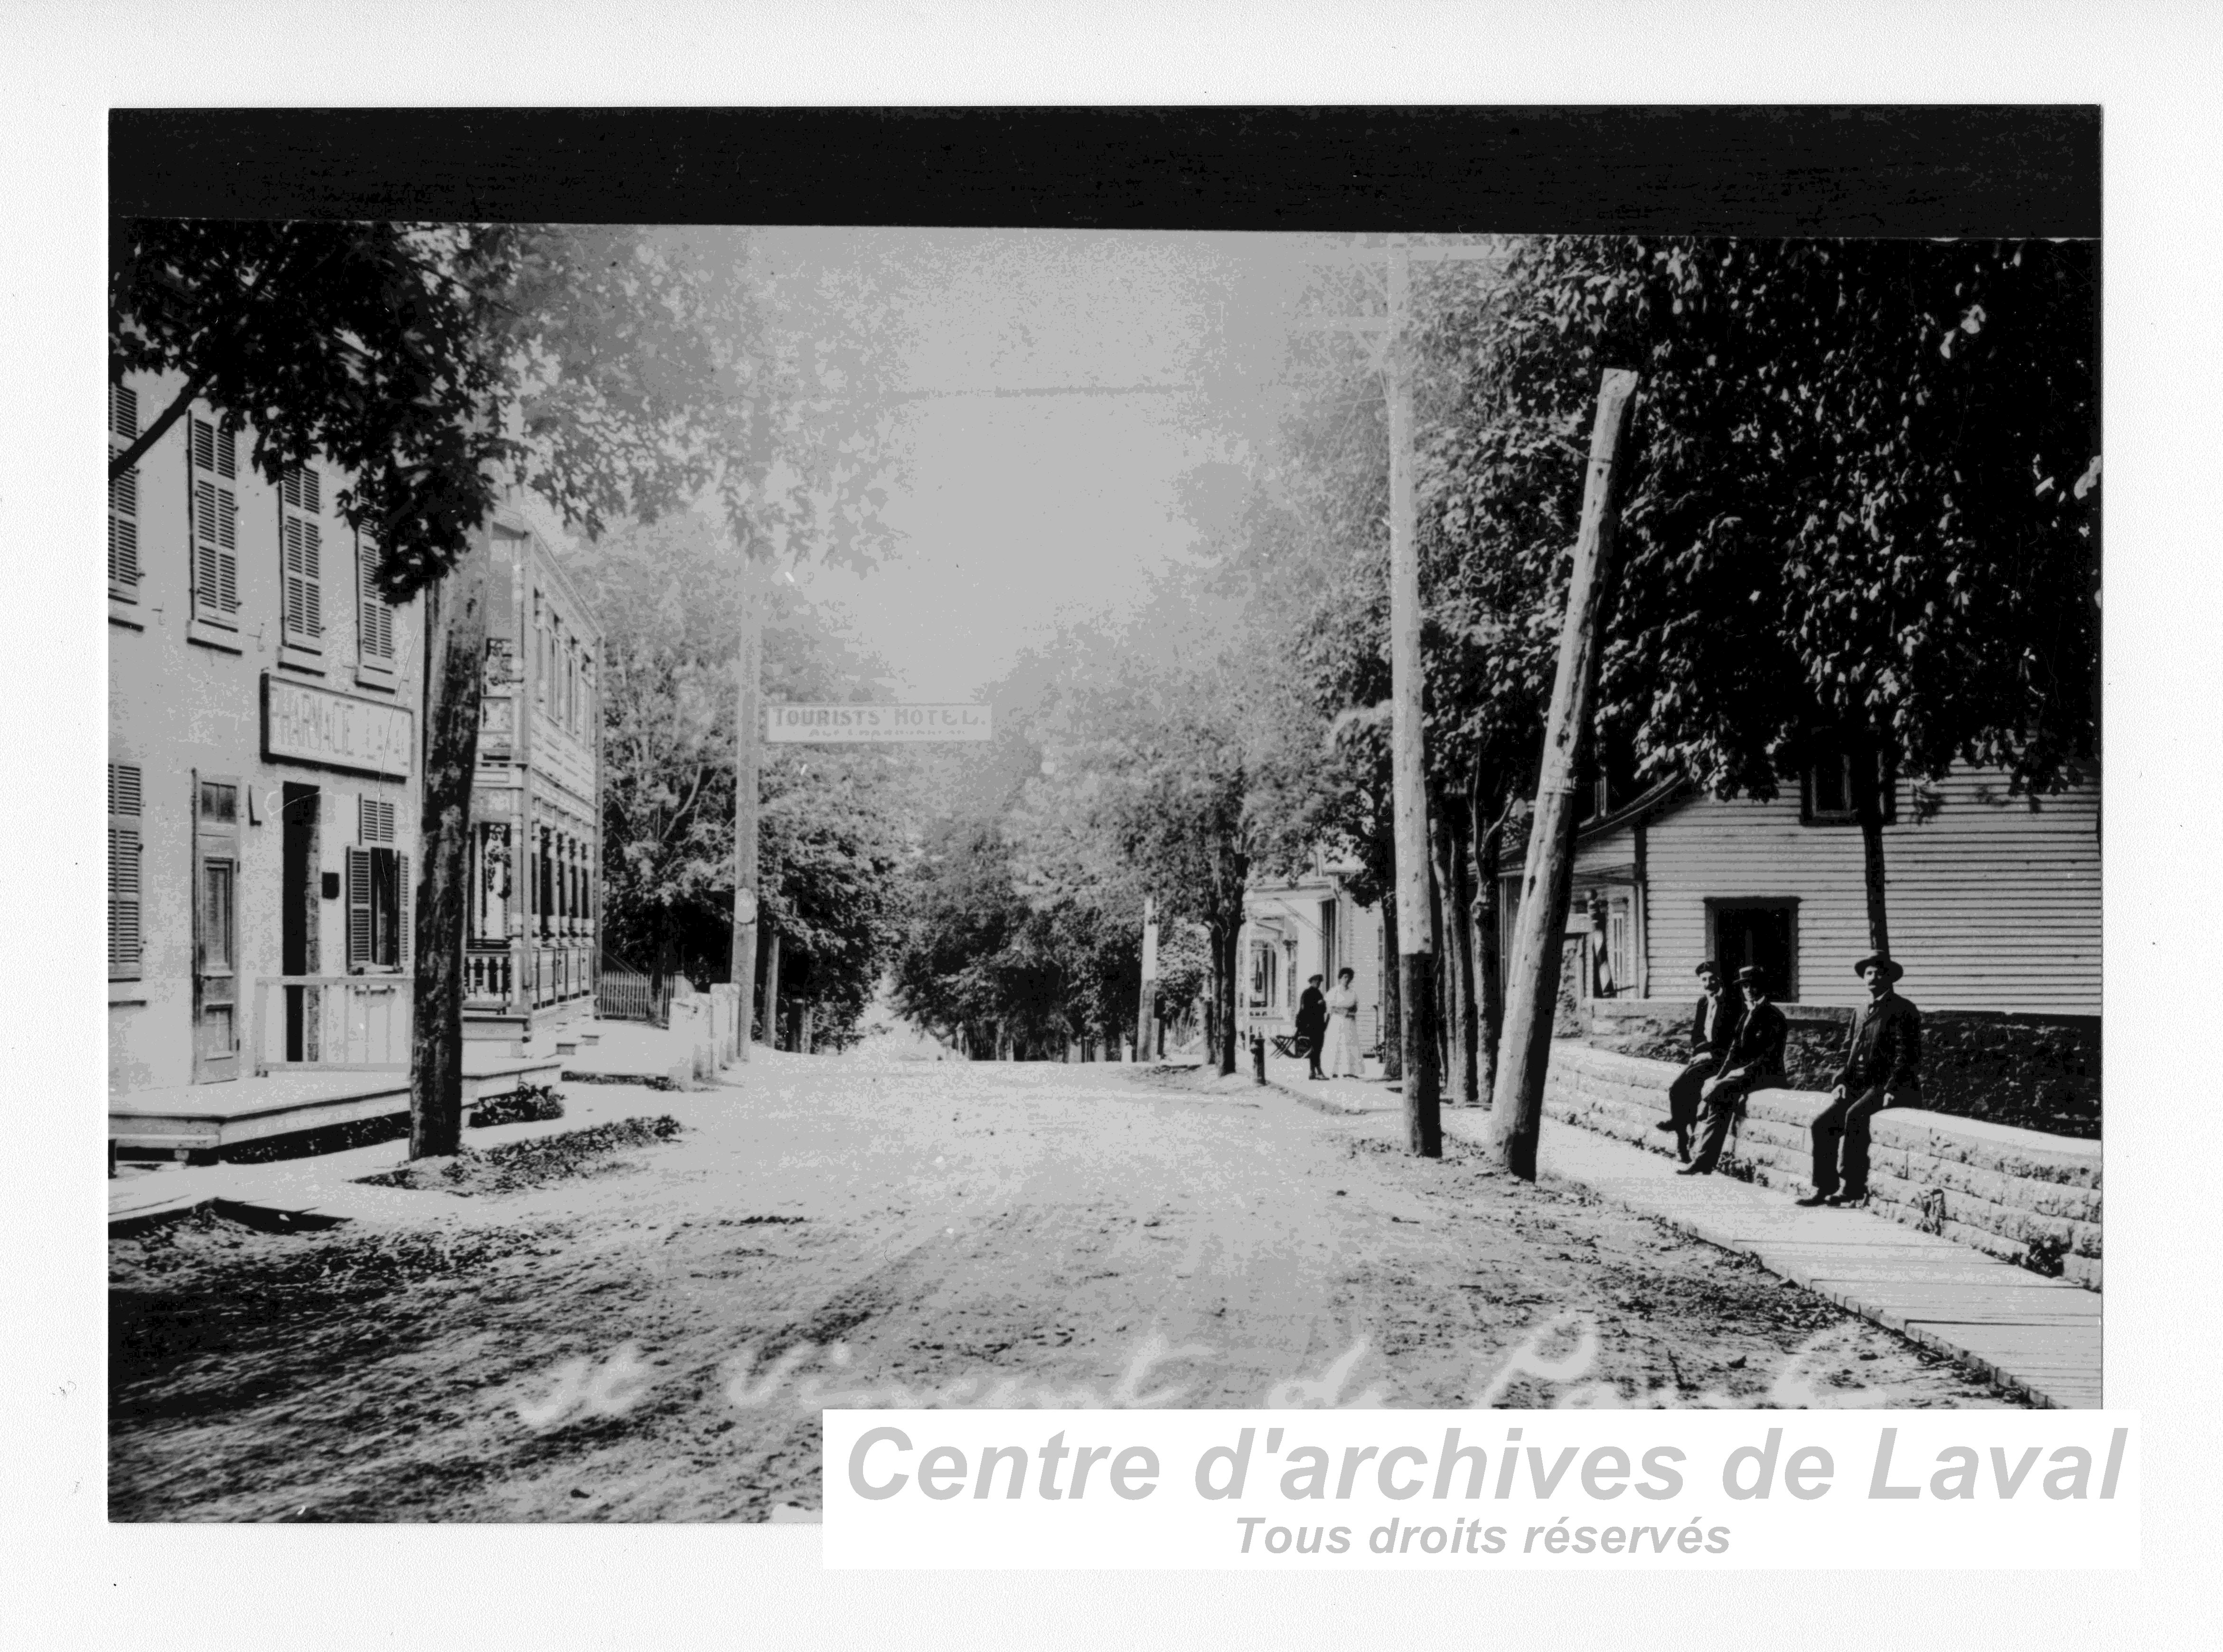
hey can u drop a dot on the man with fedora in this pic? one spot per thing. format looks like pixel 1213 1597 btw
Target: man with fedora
pixel 1312 1023
pixel 1883 1059
pixel 1713 1024
pixel 1754 1060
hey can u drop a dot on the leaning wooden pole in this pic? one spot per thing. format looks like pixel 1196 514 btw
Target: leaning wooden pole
pixel 1533 991
pixel 1416 979
pixel 747 730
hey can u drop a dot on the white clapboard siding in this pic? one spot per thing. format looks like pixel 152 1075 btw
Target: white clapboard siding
pixel 1992 905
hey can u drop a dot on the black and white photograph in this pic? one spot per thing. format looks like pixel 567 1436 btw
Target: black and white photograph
pixel 1091 757
pixel 712 820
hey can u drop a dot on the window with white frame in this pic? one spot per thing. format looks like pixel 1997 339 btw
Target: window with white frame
pixel 301 541
pixel 123 496
pixel 215 500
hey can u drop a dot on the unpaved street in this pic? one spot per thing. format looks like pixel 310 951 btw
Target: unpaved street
pixel 655 1341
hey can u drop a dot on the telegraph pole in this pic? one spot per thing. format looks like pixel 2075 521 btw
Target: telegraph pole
pixel 1416 980
pixel 748 670
pixel 1539 933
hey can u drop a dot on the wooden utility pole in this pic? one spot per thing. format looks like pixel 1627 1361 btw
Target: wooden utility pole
pixel 1145 1015
pixel 748 670
pixel 1538 933
pixel 1416 981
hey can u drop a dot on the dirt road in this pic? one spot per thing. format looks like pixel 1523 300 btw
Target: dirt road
pixel 655 1342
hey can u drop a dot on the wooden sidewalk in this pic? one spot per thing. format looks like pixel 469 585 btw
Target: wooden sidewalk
pixel 2040 1337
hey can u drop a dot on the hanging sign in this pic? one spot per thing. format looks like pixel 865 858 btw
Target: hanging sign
pixel 857 725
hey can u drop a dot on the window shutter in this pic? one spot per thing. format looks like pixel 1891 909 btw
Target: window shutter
pixel 358 908
pixel 297 619
pixel 123 490
pixel 373 614
pixel 375 818
pixel 403 938
pixel 215 513
pixel 124 849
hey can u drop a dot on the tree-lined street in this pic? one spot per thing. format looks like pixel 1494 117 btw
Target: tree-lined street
pixel 918 1232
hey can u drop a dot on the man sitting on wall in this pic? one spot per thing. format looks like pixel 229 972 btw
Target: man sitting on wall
pixel 1753 1061
pixel 1712 1028
pixel 1882 1069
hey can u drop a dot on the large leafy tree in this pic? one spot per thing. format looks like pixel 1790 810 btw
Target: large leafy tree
pixel 1863 506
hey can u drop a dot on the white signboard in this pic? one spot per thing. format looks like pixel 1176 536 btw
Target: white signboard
pixel 313 725
pixel 853 725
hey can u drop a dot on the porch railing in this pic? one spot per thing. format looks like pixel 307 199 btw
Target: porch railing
pixel 333 1024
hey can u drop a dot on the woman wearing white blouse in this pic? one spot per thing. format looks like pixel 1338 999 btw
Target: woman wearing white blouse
pixel 1341 1057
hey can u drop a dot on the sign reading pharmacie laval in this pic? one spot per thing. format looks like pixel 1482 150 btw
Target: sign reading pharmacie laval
pixel 857 725
pixel 303 724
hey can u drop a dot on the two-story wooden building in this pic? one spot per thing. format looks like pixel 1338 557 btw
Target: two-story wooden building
pixel 536 803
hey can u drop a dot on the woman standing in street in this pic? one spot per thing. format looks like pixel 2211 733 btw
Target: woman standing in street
pixel 1341 1057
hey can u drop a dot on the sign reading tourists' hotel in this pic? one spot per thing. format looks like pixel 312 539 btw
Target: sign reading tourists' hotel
pixel 302 724
pixel 847 725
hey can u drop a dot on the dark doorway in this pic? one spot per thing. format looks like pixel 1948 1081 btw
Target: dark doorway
pixel 297 912
pixel 1761 933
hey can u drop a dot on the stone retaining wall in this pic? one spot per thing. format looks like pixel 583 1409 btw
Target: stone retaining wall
pixel 2037 1072
pixel 2022 1195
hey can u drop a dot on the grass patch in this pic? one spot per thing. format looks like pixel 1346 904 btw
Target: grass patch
pixel 514 1166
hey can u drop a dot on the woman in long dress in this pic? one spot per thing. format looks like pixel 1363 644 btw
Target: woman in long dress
pixel 1341 1057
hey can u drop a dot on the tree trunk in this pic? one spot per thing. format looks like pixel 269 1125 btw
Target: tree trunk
pixel 1458 925
pixel 747 676
pixel 1867 768
pixel 1225 940
pixel 1444 926
pixel 1149 988
pixel 771 993
pixel 1489 991
pixel 454 658
pixel 1547 881
pixel 1392 1020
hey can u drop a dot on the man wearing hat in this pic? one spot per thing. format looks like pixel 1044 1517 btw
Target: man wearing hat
pixel 1312 1023
pixel 1753 1061
pixel 1883 1059
pixel 1713 1024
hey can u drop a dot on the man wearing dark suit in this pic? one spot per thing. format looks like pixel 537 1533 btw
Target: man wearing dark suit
pixel 1882 1069
pixel 1753 1062
pixel 1312 1023
pixel 1712 1026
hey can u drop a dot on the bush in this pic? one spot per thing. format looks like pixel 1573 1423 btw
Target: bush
pixel 526 1104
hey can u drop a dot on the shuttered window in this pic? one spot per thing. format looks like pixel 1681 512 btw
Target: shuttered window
pixel 375 815
pixel 122 495
pixel 374 614
pixel 124 824
pixel 215 523
pixel 301 539
pixel 377 910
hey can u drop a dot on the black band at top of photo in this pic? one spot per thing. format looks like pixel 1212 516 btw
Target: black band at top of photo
pixel 1990 170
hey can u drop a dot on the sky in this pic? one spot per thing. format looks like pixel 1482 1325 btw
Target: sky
pixel 1013 511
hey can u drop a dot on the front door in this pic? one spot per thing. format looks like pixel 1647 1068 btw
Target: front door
pixel 1761 933
pixel 216 930
pixel 297 918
